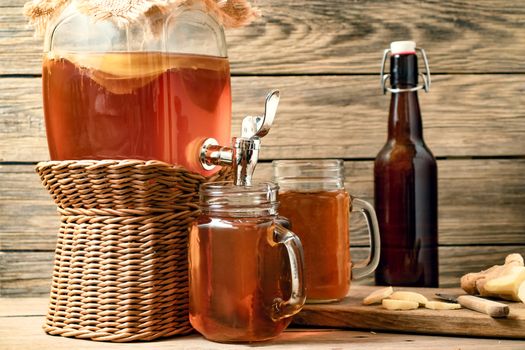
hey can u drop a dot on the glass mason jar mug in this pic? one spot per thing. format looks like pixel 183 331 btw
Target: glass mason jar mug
pixel 314 199
pixel 245 270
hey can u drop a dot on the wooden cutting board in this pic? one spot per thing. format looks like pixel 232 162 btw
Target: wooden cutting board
pixel 350 313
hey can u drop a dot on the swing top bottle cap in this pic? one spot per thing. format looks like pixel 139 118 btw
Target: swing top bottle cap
pixel 403 47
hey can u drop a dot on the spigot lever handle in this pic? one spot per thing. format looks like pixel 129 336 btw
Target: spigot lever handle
pixel 259 126
pixel 244 153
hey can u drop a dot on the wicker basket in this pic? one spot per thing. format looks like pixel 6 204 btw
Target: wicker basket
pixel 120 270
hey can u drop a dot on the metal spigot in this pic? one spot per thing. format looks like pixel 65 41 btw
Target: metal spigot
pixel 243 155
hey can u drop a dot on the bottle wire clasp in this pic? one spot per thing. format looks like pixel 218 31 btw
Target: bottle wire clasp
pixel 426 77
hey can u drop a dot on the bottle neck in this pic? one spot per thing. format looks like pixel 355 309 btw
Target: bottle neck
pixel 405 115
pixel 404 121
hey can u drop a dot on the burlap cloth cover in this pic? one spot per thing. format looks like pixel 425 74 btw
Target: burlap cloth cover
pixel 120 269
pixel 230 13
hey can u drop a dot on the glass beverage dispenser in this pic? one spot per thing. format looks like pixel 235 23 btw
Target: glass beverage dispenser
pixel 148 86
pixel 126 84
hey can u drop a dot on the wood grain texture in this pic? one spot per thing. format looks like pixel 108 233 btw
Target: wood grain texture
pixel 351 313
pixel 325 116
pixel 322 55
pixel 25 273
pixel 316 36
pixel 10 307
pixel 28 274
pixel 25 332
pixel 480 202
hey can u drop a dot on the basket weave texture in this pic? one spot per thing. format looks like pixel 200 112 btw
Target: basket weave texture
pixel 120 269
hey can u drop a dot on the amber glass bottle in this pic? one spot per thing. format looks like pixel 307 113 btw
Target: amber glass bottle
pixel 405 179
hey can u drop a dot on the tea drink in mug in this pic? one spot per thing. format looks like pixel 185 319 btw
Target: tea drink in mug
pixel 245 270
pixel 312 196
pixel 140 105
pixel 317 217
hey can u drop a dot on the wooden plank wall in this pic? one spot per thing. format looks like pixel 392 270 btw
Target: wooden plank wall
pixel 324 55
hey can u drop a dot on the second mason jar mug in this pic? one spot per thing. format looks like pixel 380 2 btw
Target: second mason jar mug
pixel 245 270
pixel 312 196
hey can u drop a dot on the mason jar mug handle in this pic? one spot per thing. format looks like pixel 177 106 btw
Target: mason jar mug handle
pixel 292 243
pixel 370 264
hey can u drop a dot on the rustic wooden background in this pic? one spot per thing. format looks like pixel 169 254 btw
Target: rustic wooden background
pixel 324 55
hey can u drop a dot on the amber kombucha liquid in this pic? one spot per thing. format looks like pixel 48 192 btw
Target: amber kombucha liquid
pixel 236 274
pixel 320 219
pixel 135 105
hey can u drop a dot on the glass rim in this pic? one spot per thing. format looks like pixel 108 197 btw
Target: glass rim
pixel 225 198
pixel 227 187
pixel 309 172
pixel 313 162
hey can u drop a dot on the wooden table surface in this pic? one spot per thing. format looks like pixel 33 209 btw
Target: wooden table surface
pixel 21 322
